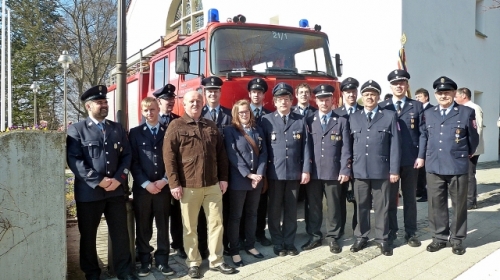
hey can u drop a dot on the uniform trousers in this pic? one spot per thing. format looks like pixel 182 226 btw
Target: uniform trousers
pixel 210 198
pixel 89 216
pixel 472 189
pixel 313 208
pixel 421 183
pixel 147 206
pixel 408 180
pixel 283 199
pixel 262 215
pixel 333 193
pixel 364 191
pixel 438 187
pixel 246 201
pixel 343 207
pixel 176 228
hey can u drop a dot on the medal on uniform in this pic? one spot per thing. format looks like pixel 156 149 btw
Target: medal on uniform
pixel 115 146
pixel 121 149
pixel 332 137
pixel 294 135
pixel 273 136
pixel 457 135
pixel 412 120
pixel 412 126
pixel 298 136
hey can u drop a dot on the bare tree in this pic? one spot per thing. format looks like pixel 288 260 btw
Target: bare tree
pixel 88 32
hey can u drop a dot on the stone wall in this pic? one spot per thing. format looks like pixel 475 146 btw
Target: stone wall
pixel 32 205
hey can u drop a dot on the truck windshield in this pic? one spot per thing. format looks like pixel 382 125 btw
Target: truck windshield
pixel 265 51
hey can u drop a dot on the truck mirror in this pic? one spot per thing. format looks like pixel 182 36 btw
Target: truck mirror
pixel 338 65
pixel 182 59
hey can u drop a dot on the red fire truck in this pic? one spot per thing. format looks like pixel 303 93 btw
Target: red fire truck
pixel 237 52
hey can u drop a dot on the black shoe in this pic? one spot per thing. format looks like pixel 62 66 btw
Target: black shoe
pixel 472 207
pixel 422 199
pixel 279 250
pixel 334 247
pixel 291 250
pixel 458 249
pixel 165 269
pixel 226 252
pixel 181 253
pixel 204 254
pixel 358 245
pixel 258 256
pixel 436 246
pixel 311 244
pixel 144 270
pixel 194 272
pixel 412 240
pixel 264 241
pixel 385 248
pixel 129 277
pixel 224 268
pixel 238 264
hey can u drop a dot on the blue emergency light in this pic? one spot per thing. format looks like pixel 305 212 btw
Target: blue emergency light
pixel 304 23
pixel 213 15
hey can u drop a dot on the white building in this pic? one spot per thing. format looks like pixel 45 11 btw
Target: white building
pixel 456 38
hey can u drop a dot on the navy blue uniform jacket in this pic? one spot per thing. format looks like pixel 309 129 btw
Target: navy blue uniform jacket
pixel 332 151
pixel 223 119
pixel 450 141
pixel 242 159
pixel 412 125
pixel 341 111
pixel 91 156
pixel 376 147
pixel 147 157
pixel 289 154
pixel 309 113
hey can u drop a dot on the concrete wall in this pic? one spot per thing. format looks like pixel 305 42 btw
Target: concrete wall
pixel 442 41
pixel 32 205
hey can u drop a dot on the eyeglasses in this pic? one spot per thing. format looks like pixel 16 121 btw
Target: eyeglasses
pixel 241 113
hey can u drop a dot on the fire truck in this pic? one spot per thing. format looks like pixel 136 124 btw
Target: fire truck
pixel 236 51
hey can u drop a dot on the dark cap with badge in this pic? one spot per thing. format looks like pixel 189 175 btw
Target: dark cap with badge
pixel 257 84
pixel 323 90
pixel 212 82
pixel 349 83
pixel 165 92
pixel 398 74
pixel 94 93
pixel 281 89
pixel 371 84
pixel 444 83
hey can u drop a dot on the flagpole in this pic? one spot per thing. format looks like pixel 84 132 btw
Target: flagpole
pixel 402 61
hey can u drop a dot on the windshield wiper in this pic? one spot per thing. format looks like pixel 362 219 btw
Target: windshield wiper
pixel 282 70
pixel 322 73
pixel 241 71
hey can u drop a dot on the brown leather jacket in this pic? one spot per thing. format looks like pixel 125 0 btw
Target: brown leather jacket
pixel 194 153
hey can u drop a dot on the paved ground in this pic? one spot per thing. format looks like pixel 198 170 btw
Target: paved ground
pixel 480 261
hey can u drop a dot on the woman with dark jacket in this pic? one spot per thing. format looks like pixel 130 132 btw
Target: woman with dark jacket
pixel 247 155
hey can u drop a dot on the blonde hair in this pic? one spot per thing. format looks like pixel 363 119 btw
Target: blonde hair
pixel 148 101
pixel 234 113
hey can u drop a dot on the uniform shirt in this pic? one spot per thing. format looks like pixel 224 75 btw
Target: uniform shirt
pixel 93 155
pixel 450 141
pixel 194 153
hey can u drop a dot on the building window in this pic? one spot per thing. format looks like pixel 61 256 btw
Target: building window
pixel 188 17
pixel 480 10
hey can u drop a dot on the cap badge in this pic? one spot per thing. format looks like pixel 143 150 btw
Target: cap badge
pixel 396 72
pixel 168 86
pixel 212 80
pixel 442 80
pixel 322 87
pixel 258 80
pixel 370 81
pixel 349 79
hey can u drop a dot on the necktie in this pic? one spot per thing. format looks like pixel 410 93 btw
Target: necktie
pixel 398 107
pixel 284 119
pixel 443 113
pixel 101 127
pixel 369 114
pixel 323 122
pixel 214 116
pixel 304 112
pixel 351 110
pixel 153 131
pixel 166 118
pixel 257 112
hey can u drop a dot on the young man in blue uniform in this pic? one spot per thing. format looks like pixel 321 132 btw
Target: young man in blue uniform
pixel 411 124
pixel 289 165
pixel 422 95
pixel 98 153
pixel 331 166
pixel 349 88
pixel 151 193
pixel 376 159
pixel 303 94
pixel 451 139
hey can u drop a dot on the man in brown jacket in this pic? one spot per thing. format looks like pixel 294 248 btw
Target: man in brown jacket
pixel 197 170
